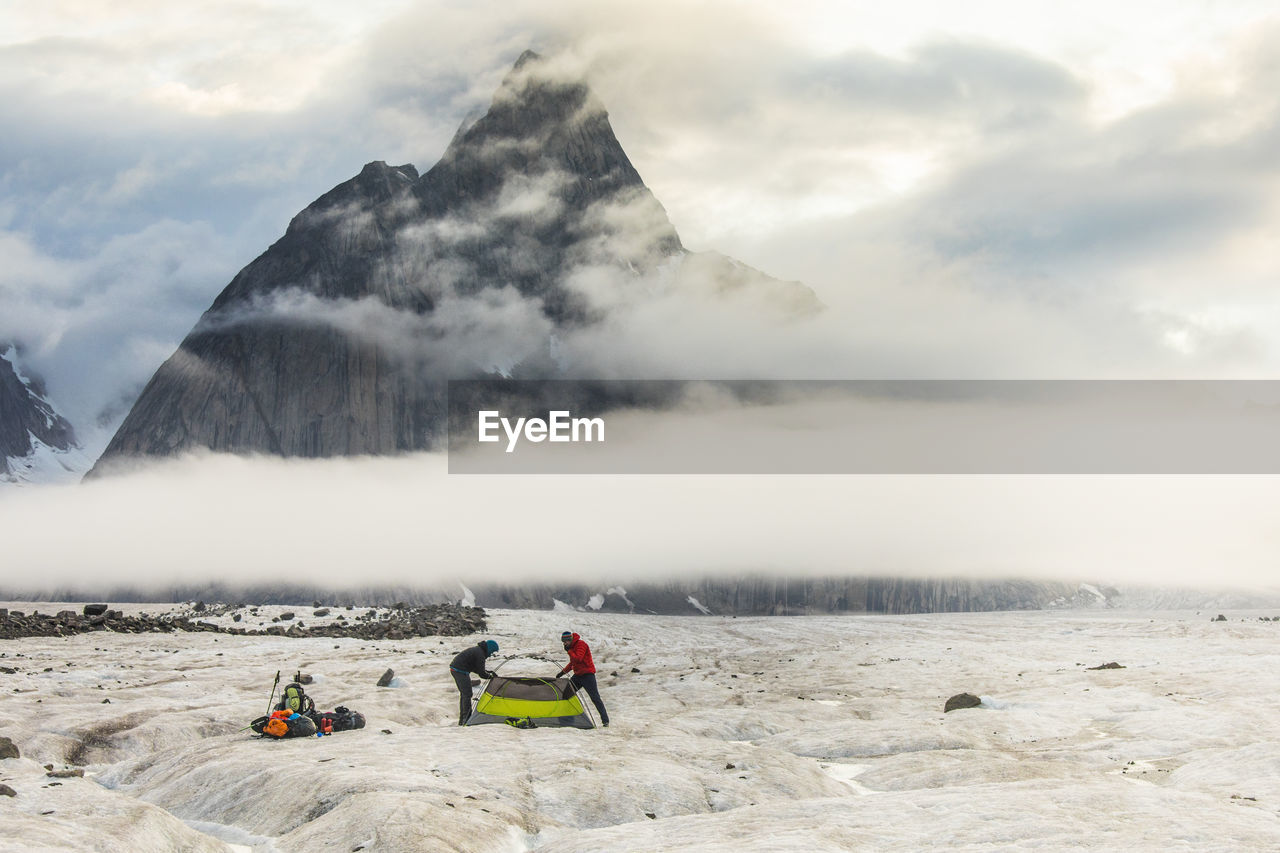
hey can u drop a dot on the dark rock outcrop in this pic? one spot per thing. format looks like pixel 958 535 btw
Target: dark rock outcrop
pixel 26 414
pixel 428 621
pixel 745 595
pixel 782 596
pixel 338 339
pixel 960 701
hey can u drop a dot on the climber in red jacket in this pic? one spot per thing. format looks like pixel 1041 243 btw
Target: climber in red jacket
pixel 584 671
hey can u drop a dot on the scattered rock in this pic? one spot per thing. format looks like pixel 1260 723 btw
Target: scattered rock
pixel 386 731
pixel 1111 665
pixel 8 749
pixel 445 620
pixel 199 607
pixel 961 700
pixel 385 680
pixel 7 670
pixel 6 791
pixel 635 669
pixel 95 609
pixel 77 773
pixel 651 815
pixel 305 678
pixel 1219 618
pixel 323 611
pixel 286 616
pixel 105 702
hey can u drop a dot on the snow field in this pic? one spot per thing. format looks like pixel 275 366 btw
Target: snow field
pixel 802 733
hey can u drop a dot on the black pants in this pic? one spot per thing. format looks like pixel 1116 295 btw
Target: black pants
pixel 587 682
pixel 463 680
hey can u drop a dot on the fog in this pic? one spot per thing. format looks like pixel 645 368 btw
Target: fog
pixel 995 194
pixel 405 520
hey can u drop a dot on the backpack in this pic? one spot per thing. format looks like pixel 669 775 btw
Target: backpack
pixel 340 719
pixel 295 699
pixel 282 724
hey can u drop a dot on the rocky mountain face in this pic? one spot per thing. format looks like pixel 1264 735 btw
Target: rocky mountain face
pixel 779 596
pixel 337 340
pixel 746 596
pixel 33 435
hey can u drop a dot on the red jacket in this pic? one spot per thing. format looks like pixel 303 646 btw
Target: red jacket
pixel 579 657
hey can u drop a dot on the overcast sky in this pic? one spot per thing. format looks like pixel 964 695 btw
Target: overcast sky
pixel 976 189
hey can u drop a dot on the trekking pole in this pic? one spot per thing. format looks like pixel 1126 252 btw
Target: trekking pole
pixel 273 692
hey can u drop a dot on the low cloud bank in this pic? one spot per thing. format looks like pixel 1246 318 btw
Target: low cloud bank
pixel 406 521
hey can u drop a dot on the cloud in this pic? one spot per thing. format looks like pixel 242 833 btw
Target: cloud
pixel 97 327
pixel 403 520
pixel 992 193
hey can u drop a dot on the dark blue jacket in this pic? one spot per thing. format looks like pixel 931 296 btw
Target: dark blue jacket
pixel 471 660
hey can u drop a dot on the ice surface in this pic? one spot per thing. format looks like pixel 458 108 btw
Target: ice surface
pixel 797 733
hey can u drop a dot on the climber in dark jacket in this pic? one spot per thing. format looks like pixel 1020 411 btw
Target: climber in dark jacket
pixel 463 665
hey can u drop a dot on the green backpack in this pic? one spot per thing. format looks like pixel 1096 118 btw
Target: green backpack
pixel 296 699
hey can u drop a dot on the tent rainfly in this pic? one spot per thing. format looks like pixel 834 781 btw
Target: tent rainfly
pixel 531 703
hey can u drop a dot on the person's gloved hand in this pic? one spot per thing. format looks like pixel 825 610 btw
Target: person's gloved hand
pixel 488 673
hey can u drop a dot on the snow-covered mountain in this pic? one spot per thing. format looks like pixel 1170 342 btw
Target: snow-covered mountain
pixel 37 444
pixel 338 339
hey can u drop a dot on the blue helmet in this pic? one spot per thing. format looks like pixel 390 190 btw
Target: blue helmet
pixel 490 646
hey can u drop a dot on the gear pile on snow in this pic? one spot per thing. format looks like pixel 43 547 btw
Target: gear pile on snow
pixel 295 715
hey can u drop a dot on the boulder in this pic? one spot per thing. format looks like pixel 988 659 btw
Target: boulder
pixel 961 700
pixel 8 749
pixel 385 680
pixel 95 610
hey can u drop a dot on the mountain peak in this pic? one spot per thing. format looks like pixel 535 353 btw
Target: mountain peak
pixel 337 340
pixel 529 56
pixel 30 425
